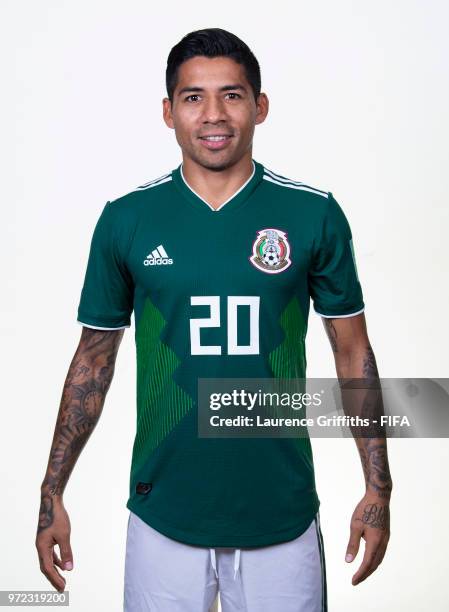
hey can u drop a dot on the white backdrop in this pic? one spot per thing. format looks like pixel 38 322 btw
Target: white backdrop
pixel 359 99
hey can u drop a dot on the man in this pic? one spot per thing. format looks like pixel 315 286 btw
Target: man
pixel 218 259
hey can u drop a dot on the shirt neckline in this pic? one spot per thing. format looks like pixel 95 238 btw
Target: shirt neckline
pixel 235 201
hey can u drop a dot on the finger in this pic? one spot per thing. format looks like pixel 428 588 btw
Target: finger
pixel 353 545
pixel 49 570
pixel 377 558
pixel 381 553
pixel 65 551
pixel 56 559
pixel 368 564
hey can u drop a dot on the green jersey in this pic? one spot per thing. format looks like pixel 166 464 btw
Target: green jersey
pixel 218 293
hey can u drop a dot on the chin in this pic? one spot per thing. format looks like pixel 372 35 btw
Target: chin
pixel 219 163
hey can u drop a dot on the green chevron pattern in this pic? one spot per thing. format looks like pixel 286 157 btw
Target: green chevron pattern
pixel 288 360
pixel 161 403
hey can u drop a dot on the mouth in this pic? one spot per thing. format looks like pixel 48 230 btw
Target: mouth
pixel 215 141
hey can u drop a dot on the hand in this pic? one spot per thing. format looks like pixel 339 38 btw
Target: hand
pixel 54 528
pixel 371 521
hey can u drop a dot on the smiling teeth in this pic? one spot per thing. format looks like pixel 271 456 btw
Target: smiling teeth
pixel 215 137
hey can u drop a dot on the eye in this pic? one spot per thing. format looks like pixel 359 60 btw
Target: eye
pixel 191 96
pixel 232 93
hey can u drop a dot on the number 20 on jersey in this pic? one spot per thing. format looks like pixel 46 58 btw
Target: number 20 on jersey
pixel 214 320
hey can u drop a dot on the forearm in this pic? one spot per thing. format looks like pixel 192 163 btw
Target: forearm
pixel 365 400
pixel 87 382
pixel 362 396
pixel 362 402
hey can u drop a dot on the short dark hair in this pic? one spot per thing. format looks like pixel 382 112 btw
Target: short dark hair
pixel 212 42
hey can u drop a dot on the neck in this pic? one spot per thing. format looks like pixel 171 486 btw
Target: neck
pixel 216 187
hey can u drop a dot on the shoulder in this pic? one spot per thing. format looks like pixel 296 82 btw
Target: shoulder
pixel 150 189
pixel 302 196
pixel 122 214
pixel 289 185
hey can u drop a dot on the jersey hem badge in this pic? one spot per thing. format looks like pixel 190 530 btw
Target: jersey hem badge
pixel 271 251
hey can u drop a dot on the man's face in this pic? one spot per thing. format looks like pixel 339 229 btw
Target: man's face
pixel 214 99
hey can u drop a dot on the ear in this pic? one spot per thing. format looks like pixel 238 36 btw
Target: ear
pixel 262 106
pixel 167 113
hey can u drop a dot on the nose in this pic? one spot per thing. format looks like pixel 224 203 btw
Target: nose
pixel 213 110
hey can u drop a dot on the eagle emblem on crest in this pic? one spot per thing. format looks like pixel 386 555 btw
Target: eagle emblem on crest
pixel 271 251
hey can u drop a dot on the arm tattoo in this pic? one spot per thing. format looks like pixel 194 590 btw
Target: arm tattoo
pixel 373 454
pixel 331 333
pixel 87 382
pixel 365 401
pixel 369 364
pixel 373 446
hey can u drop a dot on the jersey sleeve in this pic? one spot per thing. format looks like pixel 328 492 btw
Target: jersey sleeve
pixel 333 279
pixel 106 300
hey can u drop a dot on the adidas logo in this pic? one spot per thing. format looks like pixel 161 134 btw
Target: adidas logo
pixel 158 257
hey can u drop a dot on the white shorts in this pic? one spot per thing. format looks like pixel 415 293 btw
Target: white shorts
pixel 165 575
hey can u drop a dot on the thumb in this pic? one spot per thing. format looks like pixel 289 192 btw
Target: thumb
pixel 353 545
pixel 66 554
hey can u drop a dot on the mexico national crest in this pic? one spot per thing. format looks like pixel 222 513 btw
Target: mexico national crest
pixel 271 251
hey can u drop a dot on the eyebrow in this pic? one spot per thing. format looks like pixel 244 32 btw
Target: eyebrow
pixel 224 88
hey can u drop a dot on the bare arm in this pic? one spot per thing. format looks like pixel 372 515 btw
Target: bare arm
pixel 354 359
pixel 87 382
